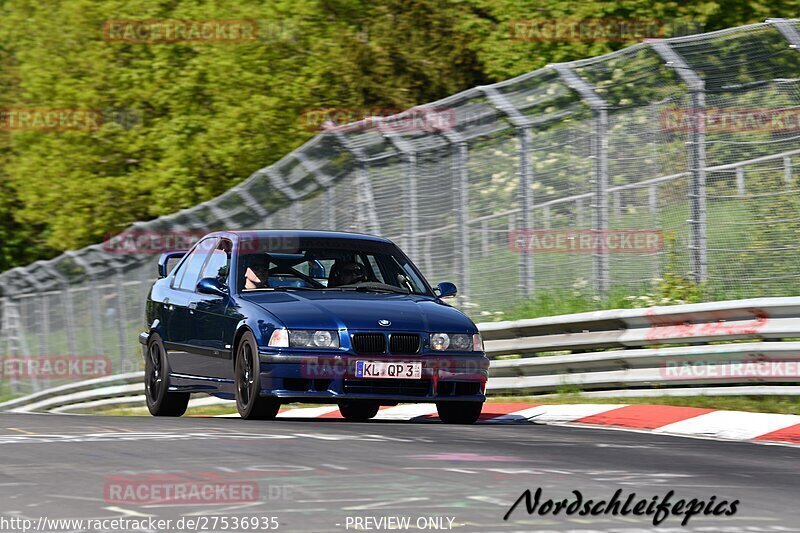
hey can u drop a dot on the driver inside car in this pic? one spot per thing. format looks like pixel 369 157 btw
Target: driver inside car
pixel 256 276
pixel 346 273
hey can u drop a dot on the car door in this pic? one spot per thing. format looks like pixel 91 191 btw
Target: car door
pixel 209 321
pixel 181 328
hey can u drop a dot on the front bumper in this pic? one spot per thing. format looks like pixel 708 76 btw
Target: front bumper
pixel 331 378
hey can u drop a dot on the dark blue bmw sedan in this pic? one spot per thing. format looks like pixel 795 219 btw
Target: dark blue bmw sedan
pixel 271 317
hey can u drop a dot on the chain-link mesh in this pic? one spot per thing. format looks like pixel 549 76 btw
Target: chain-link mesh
pixel 603 145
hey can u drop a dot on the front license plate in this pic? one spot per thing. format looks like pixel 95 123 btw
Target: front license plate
pixel 379 369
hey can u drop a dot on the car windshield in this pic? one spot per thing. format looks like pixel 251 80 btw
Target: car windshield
pixel 329 265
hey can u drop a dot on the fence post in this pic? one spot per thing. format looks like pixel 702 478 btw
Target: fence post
pixel 412 215
pixel 122 319
pixel 600 159
pixel 523 125
pixel 461 183
pixel 95 319
pixel 790 33
pixel 652 202
pixel 460 188
pixel 12 327
pixel 44 341
pixel 69 309
pixel 697 159
pixel 741 190
pixel 330 207
pixel 366 214
pixel 484 238
pixel 411 244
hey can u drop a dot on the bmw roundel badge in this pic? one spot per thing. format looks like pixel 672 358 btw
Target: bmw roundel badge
pixel 384 322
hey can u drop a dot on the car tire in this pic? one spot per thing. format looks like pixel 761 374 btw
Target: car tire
pixel 160 401
pixel 459 412
pixel 359 411
pixel 247 370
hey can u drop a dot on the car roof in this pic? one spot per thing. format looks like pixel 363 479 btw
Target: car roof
pixel 297 233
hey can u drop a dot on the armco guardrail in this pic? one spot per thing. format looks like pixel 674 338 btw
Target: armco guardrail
pixel 721 348
pixel 647 348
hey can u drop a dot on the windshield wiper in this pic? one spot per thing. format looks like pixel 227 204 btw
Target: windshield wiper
pixel 370 287
pixel 282 289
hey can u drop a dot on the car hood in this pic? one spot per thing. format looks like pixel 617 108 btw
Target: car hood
pixel 361 311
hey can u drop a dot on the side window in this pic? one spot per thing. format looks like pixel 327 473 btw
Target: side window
pixel 416 283
pixel 219 263
pixel 182 269
pixel 375 269
pixel 195 264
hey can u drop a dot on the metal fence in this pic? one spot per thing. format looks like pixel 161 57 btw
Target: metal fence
pixel 691 138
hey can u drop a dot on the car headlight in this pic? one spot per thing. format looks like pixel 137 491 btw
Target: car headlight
pixel 309 338
pixel 304 338
pixel 440 341
pixel 460 342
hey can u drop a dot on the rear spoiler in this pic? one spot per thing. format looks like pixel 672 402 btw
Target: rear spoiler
pixel 164 259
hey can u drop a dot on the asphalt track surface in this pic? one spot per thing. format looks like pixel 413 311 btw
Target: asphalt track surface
pixel 314 474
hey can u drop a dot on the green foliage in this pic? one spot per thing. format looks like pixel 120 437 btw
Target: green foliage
pixel 206 114
pixel 203 116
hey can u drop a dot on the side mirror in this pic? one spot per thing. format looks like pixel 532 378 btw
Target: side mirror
pixel 446 289
pixel 163 267
pixel 212 286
